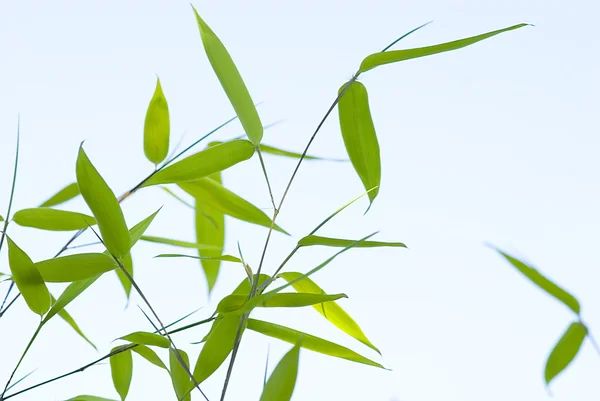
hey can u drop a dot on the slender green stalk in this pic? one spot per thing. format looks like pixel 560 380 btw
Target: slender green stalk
pixel 3 311
pixel 14 181
pixel 29 344
pixel 264 169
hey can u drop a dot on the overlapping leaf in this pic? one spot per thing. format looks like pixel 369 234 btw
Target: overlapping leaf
pixel 157 127
pixel 179 375
pixel 121 369
pixel 287 300
pixel 46 218
pixel 149 355
pixel 565 350
pixel 67 193
pixel 282 382
pixel 81 266
pixel 145 338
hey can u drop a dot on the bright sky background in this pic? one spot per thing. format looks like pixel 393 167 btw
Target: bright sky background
pixel 494 143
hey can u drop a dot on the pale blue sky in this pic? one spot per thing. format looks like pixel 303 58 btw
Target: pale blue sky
pixel 494 143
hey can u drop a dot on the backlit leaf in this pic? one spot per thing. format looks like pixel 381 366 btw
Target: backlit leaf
pixel 81 266
pixel 222 258
pixel 142 337
pixel 311 240
pixel 565 350
pixel 65 194
pixel 71 322
pixel 231 80
pixel 286 300
pixel 359 135
pixel 179 376
pixel 89 398
pixel 127 263
pixel 157 127
pixel 282 381
pixel 46 218
pixel 121 368
pixel 286 153
pixel 28 279
pixel 149 355
pixel 174 242
pixel 104 206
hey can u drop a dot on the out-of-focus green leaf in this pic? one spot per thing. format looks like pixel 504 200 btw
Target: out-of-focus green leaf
pixel 179 376
pixel 222 258
pixel 538 279
pixel 28 279
pixel 381 58
pixel 286 300
pixel 71 322
pixel 213 194
pixel 218 346
pixel 145 338
pixel 121 369
pixel 330 310
pixel 46 218
pixel 565 350
pixel 359 135
pixel 1 218
pixel 149 355
pixel 89 398
pixel 81 266
pixel 157 127
pixel 174 242
pixel 280 386
pixel 127 263
pixel 232 82
pixel 308 341
pixel 104 206
pixel 65 194
pixel 204 163
pixel 311 240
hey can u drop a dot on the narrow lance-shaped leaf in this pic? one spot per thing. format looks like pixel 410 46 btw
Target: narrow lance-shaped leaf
pixel 89 398
pixel 121 368
pixel 104 205
pixel 179 376
pixel 358 133
pixel 330 310
pixel 127 263
pixel 149 355
pixel 308 341
pixel 538 279
pixel 231 80
pixel 287 300
pixel 174 242
pixel 222 258
pixel 157 127
pixel 565 350
pixel 213 194
pixel 67 193
pixel 71 322
pixel 145 338
pixel 381 58
pixel 46 218
pixel 280 385
pixel 312 240
pixel 28 280
pixel 81 266
pixel 286 153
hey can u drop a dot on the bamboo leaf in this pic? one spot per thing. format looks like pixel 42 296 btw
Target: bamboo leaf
pixel 358 133
pixel 46 218
pixel 67 193
pixel 104 206
pixel 204 163
pixel 149 355
pixel 312 240
pixel 71 322
pixel 213 194
pixel 381 58
pixel 565 350
pixel 286 153
pixel 174 242
pixel 121 368
pixel 222 258
pixel 231 81
pixel 282 381
pixel 179 376
pixel 1 218
pixel 157 127
pixel 145 338
pixel 332 215
pixel 89 398
pixel 330 310
pixel 287 300
pixel 127 263
pixel 28 279
pixel 81 266
pixel 545 284
pixel 308 341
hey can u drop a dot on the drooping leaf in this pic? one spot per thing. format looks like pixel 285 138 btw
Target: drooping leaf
pixel 204 163
pixel 81 266
pixel 89 398
pixel 174 195
pixel 565 350
pixel 222 258
pixel 358 133
pixel 121 369
pixel 28 280
pixel 538 279
pixel 332 215
pixel 286 153
pixel 127 263
pixel 149 355
pixel 67 193
pixel 231 80
pixel 179 376
pixel 145 338
pixel 157 127
pixel 286 300
pixel 104 206
pixel 174 242
pixel 330 310
pixel 46 218
pixel 381 58
pixel 311 240
pixel 213 194
pixel 280 385
pixel 71 322
pixel 308 341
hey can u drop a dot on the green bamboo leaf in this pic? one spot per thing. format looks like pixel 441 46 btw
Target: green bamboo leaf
pixel 312 240
pixel 104 206
pixel 538 279
pixel 308 341
pixel 377 59
pixel 157 127
pixel 565 350
pixel 1 218
pixel 222 258
pixel 28 279
pixel 81 266
pixel 121 368
pixel 231 81
pixel 71 322
pixel 46 218
pixel 330 310
pixel 89 398
pixel 359 135
pixel 213 194
pixel 332 215
pixel 174 242
pixel 145 338
pixel 280 386
pixel 287 300
pixel 67 193
pixel 127 263
pixel 204 163
pixel 149 355
pixel 286 153
pixel 218 346
pixel 244 287
pixel 179 376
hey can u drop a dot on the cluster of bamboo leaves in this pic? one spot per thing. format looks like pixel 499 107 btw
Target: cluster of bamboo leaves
pixel 200 176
